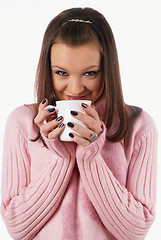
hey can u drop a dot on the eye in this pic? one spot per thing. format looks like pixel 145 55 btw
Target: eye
pixel 90 73
pixel 61 73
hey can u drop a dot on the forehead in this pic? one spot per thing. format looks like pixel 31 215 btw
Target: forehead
pixel 67 56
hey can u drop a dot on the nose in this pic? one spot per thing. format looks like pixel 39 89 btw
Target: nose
pixel 75 86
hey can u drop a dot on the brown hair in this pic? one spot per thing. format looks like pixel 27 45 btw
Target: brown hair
pixel 91 26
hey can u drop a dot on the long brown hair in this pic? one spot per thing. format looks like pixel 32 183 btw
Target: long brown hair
pixel 91 25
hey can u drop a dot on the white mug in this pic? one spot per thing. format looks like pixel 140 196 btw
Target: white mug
pixel 63 108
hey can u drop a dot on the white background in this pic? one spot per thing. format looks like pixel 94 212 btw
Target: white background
pixel 136 26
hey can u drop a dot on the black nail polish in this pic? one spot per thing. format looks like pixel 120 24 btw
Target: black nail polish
pixel 74 113
pixel 71 135
pixel 84 105
pixel 51 110
pixel 70 124
pixel 61 125
pixel 43 101
pixel 59 118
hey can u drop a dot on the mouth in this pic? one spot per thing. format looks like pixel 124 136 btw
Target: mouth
pixel 76 97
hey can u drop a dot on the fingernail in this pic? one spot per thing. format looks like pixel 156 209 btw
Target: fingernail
pixel 51 110
pixel 43 101
pixel 74 113
pixel 61 125
pixel 84 105
pixel 70 124
pixel 59 118
pixel 71 135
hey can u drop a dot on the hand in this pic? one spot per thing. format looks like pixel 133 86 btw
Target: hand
pixel 53 126
pixel 91 120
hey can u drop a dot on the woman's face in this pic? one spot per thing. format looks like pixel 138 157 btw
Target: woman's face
pixel 76 71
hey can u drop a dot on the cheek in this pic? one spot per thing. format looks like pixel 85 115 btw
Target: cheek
pixel 97 91
pixel 58 85
pixel 95 86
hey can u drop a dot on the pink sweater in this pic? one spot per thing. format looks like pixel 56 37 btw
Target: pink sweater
pixel 67 192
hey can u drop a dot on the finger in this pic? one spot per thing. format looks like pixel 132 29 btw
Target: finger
pixel 79 140
pixel 90 122
pixel 43 104
pixel 85 132
pixel 51 126
pixel 90 110
pixel 93 106
pixel 43 115
pixel 56 132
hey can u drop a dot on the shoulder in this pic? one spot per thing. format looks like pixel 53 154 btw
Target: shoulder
pixel 142 129
pixel 140 124
pixel 22 113
pixel 22 118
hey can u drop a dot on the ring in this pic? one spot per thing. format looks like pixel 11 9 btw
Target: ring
pixel 93 137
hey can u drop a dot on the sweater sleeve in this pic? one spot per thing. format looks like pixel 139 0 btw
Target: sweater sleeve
pixel 127 212
pixel 27 205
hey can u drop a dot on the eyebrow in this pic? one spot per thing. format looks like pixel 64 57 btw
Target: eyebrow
pixel 56 66
pixel 93 66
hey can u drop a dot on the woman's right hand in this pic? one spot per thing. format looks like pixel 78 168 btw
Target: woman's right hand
pixel 54 126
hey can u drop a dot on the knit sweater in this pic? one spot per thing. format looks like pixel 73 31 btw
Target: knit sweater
pixel 103 191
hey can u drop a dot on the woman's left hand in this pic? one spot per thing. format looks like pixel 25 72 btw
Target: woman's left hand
pixel 93 123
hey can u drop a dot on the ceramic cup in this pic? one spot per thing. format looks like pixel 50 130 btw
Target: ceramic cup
pixel 63 108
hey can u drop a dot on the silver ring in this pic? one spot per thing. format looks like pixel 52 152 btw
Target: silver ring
pixel 93 137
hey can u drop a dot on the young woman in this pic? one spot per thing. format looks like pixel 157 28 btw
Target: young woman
pixel 99 186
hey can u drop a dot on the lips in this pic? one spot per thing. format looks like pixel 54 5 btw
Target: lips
pixel 76 97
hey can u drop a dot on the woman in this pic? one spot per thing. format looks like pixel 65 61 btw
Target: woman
pixel 99 186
